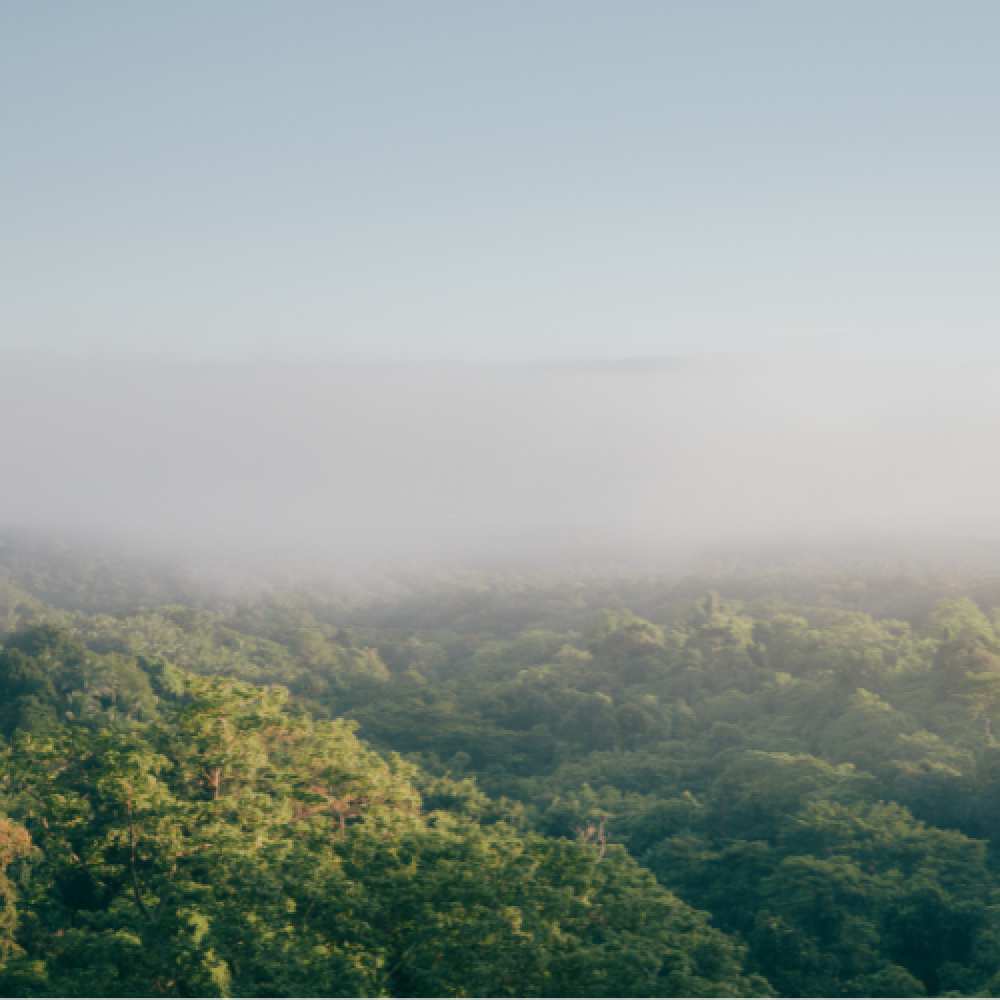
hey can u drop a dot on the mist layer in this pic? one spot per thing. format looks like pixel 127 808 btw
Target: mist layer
pixel 366 463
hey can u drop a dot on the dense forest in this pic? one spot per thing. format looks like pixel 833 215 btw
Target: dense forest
pixel 758 780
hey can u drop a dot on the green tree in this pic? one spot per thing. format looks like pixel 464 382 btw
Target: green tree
pixel 242 850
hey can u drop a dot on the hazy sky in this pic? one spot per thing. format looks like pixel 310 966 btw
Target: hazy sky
pixel 497 181
pixel 215 216
pixel 350 464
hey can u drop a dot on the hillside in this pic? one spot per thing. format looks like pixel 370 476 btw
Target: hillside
pixel 749 794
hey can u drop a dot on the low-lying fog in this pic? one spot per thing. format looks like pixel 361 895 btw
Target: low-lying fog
pixel 358 464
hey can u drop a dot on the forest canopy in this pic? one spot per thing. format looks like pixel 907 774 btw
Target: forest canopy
pixel 733 784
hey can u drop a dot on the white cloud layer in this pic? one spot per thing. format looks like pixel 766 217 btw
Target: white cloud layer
pixel 360 464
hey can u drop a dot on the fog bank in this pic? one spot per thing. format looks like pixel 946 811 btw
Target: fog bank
pixel 364 464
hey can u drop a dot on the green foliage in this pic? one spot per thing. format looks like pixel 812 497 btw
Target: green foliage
pixel 746 753
pixel 805 758
pixel 48 676
pixel 242 850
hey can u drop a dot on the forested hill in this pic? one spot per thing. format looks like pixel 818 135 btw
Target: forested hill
pixel 765 783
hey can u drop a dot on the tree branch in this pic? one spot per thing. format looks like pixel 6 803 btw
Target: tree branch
pixel 135 878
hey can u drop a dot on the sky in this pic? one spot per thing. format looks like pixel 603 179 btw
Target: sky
pixel 460 181
pixel 393 280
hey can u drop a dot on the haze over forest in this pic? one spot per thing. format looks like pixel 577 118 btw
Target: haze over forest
pixel 362 465
pixel 499 499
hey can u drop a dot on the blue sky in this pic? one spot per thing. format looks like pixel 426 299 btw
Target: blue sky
pixel 505 181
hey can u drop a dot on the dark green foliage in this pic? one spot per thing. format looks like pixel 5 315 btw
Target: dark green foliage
pixel 240 850
pixel 804 756
pixel 48 677
pixel 38 667
pixel 750 754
